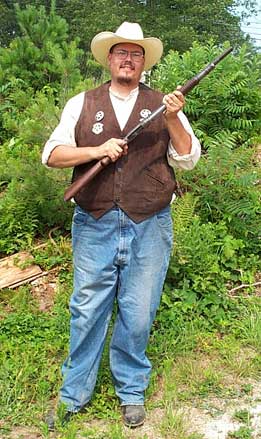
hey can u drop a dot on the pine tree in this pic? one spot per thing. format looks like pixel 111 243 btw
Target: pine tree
pixel 42 55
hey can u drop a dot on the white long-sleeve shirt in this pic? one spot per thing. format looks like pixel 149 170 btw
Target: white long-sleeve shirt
pixel 64 132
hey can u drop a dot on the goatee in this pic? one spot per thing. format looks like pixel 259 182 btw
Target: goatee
pixel 124 80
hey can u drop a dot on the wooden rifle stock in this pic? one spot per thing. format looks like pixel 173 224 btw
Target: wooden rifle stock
pixel 82 181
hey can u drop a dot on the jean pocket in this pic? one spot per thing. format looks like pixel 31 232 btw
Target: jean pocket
pixel 79 217
pixel 164 217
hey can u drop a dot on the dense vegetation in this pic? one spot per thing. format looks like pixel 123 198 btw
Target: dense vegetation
pixel 178 23
pixel 216 220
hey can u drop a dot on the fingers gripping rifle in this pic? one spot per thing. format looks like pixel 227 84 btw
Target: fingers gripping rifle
pixel 77 185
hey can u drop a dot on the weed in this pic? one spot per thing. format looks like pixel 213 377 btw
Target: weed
pixel 17 300
pixel 193 376
pixel 92 433
pixel 56 252
pixel 242 416
pixel 71 432
pixel 249 328
pixel 116 432
pixel 174 424
pixel 196 436
pixel 247 388
pixel 242 433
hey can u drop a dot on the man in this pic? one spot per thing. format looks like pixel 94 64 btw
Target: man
pixel 122 229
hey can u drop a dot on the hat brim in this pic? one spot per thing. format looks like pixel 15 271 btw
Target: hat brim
pixel 101 44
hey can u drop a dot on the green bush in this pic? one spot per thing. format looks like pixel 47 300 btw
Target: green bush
pixel 227 100
pixel 32 201
pixel 40 72
pixel 206 261
pixel 217 220
pixel 225 182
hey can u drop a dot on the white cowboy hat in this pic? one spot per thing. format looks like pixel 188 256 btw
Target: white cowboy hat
pixel 126 33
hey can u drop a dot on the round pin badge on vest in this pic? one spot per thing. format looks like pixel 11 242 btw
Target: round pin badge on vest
pixel 99 116
pixel 145 113
pixel 97 128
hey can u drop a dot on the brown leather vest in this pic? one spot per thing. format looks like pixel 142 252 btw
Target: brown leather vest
pixel 141 183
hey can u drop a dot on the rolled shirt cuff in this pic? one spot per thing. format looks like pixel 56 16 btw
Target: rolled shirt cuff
pixel 186 161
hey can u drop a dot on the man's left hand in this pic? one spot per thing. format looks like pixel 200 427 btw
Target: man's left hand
pixel 174 103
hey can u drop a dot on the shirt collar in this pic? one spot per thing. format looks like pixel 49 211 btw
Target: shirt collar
pixel 132 94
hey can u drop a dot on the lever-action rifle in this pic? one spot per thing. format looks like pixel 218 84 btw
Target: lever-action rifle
pixel 77 185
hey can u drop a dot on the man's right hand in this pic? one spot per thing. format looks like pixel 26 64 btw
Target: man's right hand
pixel 113 148
pixel 65 156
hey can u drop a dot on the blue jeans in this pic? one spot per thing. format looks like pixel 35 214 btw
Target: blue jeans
pixel 114 258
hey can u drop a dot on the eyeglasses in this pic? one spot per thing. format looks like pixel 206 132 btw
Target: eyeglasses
pixel 123 54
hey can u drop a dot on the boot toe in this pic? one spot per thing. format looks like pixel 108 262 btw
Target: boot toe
pixel 133 415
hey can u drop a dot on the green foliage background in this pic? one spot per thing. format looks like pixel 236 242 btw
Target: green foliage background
pixel 216 221
pixel 41 70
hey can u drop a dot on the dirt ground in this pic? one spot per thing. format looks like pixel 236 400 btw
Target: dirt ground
pixel 211 417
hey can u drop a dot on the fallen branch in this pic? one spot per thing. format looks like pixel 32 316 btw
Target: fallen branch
pixel 244 286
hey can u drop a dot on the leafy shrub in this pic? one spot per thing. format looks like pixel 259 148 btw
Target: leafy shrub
pixel 227 100
pixel 206 261
pixel 26 114
pixel 217 221
pixel 33 200
pixel 40 72
pixel 226 184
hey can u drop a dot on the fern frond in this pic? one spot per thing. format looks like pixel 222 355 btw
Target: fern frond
pixel 183 211
pixel 240 207
pixel 237 108
pixel 247 180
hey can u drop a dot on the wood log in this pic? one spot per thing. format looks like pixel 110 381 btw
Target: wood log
pixel 14 270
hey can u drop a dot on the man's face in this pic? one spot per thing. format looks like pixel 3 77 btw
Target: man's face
pixel 126 63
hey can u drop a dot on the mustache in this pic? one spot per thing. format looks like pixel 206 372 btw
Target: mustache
pixel 127 64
